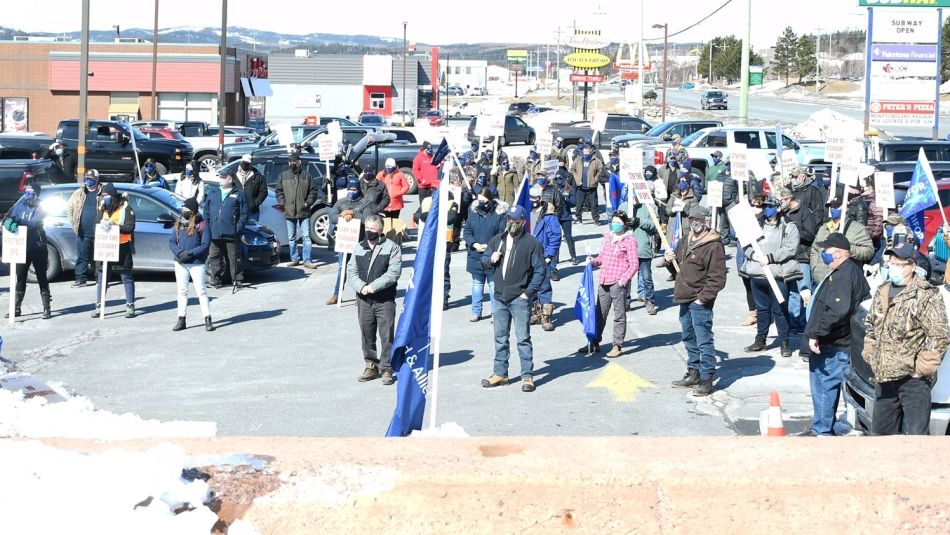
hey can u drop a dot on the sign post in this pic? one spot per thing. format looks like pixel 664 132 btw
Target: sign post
pixel 106 250
pixel 639 186
pixel 14 252
pixel 884 190
pixel 347 238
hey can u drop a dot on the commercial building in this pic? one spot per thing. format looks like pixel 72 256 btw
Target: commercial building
pixel 464 73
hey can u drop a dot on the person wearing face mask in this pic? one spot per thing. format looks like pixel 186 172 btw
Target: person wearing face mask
pixel 376 193
pixel 484 223
pixel 862 248
pixel 149 175
pixel 547 230
pixel 533 162
pixel 83 213
pixel 618 262
pixel 586 171
pixel 826 342
pixel 800 292
pixel 373 271
pixel 645 232
pixel 189 245
pixel 857 206
pixel 702 276
pixel 114 209
pixel 28 213
pixel 396 185
pixel 249 180
pixel 427 175
pixel 678 206
pixel 226 209
pixel 471 156
pixel 677 151
pixel 64 163
pixel 568 195
pixel 716 166
pixel 779 245
pixel 905 342
pixel 518 263
pixel 351 205
pixel 506 181
pixel 875 223
pixel 807 192
pixel 298 194
pixel 190 184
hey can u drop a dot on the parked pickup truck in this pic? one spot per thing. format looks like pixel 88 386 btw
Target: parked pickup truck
pixel 17 173
pixel 109 149
pixel 661 132
pixel 617 124
pixel 898 156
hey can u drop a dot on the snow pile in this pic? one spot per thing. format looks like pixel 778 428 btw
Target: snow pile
pixel 446 430
pixel 822 122
pixel 54 491
pixel 541 122
pixel 78 418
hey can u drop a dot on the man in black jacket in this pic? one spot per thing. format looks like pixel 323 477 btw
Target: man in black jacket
pixel 374 191
pixel 298 194
pixel 807 225
pixel 249 180
pixel 64 163
pixel 518 261
pixel 827 338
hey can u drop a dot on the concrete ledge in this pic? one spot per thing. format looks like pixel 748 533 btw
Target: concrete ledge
pixel 591 485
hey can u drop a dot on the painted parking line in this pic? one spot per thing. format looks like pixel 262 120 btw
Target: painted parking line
pixel 623 385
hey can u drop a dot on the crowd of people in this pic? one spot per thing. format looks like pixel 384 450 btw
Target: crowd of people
pixel 807 273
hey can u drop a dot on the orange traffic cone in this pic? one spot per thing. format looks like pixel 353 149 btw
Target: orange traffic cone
pixel 770 421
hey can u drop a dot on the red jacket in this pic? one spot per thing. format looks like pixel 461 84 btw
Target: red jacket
pixel 397 185
pixel 427 175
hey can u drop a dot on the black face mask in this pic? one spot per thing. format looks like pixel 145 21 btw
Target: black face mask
pixel 245 166
pixel 372 235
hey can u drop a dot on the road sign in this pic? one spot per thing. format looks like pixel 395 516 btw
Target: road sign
pixel 586 60
pixel 884 189
pixel 327 147
pixel 107 244
pixel 902 113
pixel 14 246
pixel 517 56
pixel 589 78
pixel 347 236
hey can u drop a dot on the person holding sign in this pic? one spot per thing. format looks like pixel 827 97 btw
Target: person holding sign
pixel 374 270
pixel 115 210
pixel 28 213
pixel 352 205
pixel 702 275
pixel 778 245
pixel 189 244
pixel 645 232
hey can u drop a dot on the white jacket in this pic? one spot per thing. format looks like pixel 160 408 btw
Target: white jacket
pixel 187 187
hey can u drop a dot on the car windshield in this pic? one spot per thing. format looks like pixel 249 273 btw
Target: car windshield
pixel 658 130
pixel 139 136
pixel 433 113
pixel 163 196
pixel 714 94
pixel 692 137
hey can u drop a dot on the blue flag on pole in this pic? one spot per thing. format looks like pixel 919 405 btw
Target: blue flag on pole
pixel 618 191
pixel 675 233
pixel 410 356
pixel 524 200
pixel 585 307
pixel 916 224
pixel 922 192
pixel 440 152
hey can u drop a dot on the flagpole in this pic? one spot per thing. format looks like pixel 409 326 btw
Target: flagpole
pixel 438 294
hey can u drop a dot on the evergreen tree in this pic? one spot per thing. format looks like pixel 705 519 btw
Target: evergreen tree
pixel 805 61
pixel 784 57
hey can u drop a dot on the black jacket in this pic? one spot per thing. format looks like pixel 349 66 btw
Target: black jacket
pixel 254 188
pixel 376 195
pixel 297 193
pixel 64 165
pixel 807 224
pixel 858 209
pixel 833 305
pixel 811 197
pixel 525 269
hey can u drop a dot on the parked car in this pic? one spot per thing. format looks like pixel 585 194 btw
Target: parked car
pixel 714 99
pixel 662 132
pixel 402 134
pixel 452 91
pixel 156 210
pixel 400 118
pixel 16 174
pixel 516 131
pixel 617 124
pixel 538 109
pixel 478 92
pixel 246 133
pixel 368 118
pixel 687 85
pixel 464 108
pixel 519 108
pixel 156 125
pixel 435 117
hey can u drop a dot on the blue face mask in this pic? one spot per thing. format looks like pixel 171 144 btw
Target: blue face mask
pixel 188 172
pixel 616 228
pixel 474 148
pixel 505 166
pixel 716 160
pixel 353 195
pixel 106 201
pixel 674 163
pixel 896 278
pixel 587 156
pixel 149 169
pixel 532 155
pixel 557 144
pixel 428 152
pixel 835 214
pixel 90 183
pixel 827 258
pixel 648 175
pixel 390 169
pixel 770 211
pixel 884 273
pixel 682 186
pixel 543 182
pixel 28 194
pixel 614 160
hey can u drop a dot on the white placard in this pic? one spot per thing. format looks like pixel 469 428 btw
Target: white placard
pixel 850 165
pixel 739 161
pixel 834 148
pixel 918 26
pixel 550 167
pixel 496 125
pixel 14 246
pixel 599 122
pixel 631 159
pixel 335 131
pixel 714 194
pixel 327 147
pixel 107 244
pixel 743 220
pixel 884 189
pixel 347 235
pixel 545 144
pixel 285 134
pixel 30 386
pixel 640 188
pixel 482 125
pixel 789 162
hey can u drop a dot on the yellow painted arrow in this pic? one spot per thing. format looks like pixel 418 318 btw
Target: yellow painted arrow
pixel 623 385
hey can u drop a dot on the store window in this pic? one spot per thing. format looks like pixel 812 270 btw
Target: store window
pixel 187 107
pixel 377 101
pixel 458 70
pixel 468 70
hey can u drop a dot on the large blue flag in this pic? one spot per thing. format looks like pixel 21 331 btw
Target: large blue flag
pixel 618 191
pixel 585 307
pixel 524 200
pixel 441 152
pixel 916 224
pixel 922 192
pixel 410 356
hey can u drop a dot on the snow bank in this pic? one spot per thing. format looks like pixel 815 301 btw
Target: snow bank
pixel 78 418
pixel 820 123
pixel 541 122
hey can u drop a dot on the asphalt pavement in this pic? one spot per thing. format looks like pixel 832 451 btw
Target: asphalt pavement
pixel 282 362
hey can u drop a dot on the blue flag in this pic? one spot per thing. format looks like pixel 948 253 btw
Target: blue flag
pixel 441 152
pixel 675 233
pixel 524 200
pixel 585 308
pixel 916 224
pixel 922 192
pixel 618 191
pixel 410 356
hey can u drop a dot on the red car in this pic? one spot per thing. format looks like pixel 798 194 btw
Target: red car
pixel 436 117
pixel 161 133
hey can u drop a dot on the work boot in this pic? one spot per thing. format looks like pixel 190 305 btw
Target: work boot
pixel 689 380
pixel 208 325
pixel 555 276
pixel 594 348
pixel 388 378
pixel 758 345
pixel 575 261
pixel 332 300
pixel 96 311
pixel 129 310
pixel 704 388
pixel 370 373
pixel 494 380
pixel 294 263
pixel 180 326
pixel 536 314
pixel 527 384
pixel 310 265
pixel 785 349
pixel 614 352
pixel 546 312
pixel 46 298
pixel 79 284
pixel 751 319
pixel 651 308
pixel 16 305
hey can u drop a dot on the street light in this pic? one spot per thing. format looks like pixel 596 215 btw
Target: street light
pixel 405 52
pixel 665 73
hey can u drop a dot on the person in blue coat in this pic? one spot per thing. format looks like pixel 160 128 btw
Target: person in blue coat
pixel 29 213
pixel 547 230
pixel 484 223
pixel 189 244
pixel 227 214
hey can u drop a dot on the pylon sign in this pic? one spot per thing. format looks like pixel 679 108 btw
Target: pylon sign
pixel 586 56
pixel 629 62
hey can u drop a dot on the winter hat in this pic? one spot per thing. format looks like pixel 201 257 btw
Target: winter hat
pixel 191 204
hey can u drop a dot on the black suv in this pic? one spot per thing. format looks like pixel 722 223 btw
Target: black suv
pixel 714 99
pixel 109 149
pixel 519 108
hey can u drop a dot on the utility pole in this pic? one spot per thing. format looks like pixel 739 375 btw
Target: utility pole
pixel 557 67
pixel 547 63
pixel 83 93
pixel 640 72
pixel 744 77
pixel 817 59
pixel 405 52
pixel 155 63
pixel 224 63
pixel 666 31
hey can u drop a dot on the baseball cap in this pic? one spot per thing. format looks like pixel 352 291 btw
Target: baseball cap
pixel 904 250
pixel 516 212
pixel 353 183
pixel 390 162
pixel 698 212
pixel 835 240
pixel 247 158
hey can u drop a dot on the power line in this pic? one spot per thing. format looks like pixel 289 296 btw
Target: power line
pixel 691 26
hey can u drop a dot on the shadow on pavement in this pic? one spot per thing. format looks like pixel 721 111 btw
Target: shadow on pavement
pixel 249 316
pixel 456 357
pixel 732 369
pixel 559 367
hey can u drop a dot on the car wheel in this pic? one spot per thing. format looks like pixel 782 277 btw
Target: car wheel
pixel 319 227
pixel 413 185
pixel 570 149
pixel 208 163
pixel 54 266
pixel 531 138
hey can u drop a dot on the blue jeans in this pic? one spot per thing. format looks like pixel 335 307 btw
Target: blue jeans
pixel 796 307
pixel 84 246
pixel 546 293
pixel 767 308
pixel 339 273
pixel 826 373
pixel 645 279
pixel 696 322
pixel 482 283
pixel 255 215
pixel 128 283
pixel 517 311
pixel 296 229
